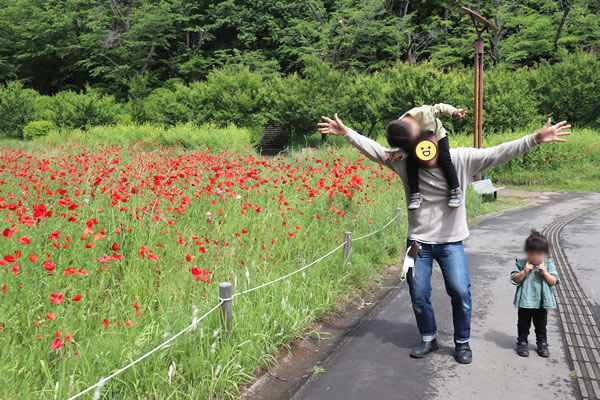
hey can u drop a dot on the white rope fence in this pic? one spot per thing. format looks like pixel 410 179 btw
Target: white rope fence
pixel 227 301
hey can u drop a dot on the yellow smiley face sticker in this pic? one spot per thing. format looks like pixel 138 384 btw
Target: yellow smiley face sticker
pixel 426 150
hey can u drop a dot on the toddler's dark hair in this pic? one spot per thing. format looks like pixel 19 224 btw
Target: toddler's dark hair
pixel 537 241
pixel 398 135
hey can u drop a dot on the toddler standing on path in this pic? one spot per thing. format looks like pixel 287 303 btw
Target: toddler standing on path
pixel 534 277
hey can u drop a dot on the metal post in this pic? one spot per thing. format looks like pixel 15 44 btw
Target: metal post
pixel 399 217
pixel 478 111
pixel 225 293
pixel 348 247
pixel 476 98
pixel 480 51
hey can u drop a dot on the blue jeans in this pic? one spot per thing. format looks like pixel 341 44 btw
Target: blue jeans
pixel 453 263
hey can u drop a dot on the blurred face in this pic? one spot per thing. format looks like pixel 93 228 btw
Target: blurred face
pixel 536 256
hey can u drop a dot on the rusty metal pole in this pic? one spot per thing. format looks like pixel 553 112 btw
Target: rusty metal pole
pixel 479 45
pixel 476 105
pixel 478 20
pixel 478 112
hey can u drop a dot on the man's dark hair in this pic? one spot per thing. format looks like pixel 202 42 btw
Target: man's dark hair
pixel 398 135
pixel 537 241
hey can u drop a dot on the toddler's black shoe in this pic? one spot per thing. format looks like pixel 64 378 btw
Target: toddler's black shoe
pixel 542 349
pixel 523 349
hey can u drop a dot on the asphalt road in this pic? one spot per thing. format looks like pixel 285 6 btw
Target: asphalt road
pixel 375 364
pixel 581 243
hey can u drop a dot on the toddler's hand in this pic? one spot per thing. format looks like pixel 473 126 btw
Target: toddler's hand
pixel 460 113
pixel 541 268
pixel 528 267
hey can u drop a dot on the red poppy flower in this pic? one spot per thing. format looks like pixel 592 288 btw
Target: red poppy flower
pixel 105 323
pixel 77 297
pixel 115 247
pixel 49 265
pixel 57 298
pixel 128 323
pixel 188 258
pixel 50 315
pixel 56 344
pixel 33 258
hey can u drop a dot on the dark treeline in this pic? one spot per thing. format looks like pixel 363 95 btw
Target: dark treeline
pixel 120 46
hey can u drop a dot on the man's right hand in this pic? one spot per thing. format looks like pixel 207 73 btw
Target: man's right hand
pixel 333 127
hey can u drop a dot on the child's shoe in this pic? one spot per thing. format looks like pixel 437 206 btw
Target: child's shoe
pixel 542 349
pixel 415 201
pixel 523 349
pixel 455 198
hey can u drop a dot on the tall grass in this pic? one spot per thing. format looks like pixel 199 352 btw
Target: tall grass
pixel 188 136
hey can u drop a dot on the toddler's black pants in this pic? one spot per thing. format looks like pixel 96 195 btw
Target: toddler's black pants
pixel 540 319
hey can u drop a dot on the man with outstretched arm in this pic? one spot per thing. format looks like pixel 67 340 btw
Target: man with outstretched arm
pixel 439 229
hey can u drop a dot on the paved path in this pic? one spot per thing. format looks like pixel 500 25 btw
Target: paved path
pixel 375 363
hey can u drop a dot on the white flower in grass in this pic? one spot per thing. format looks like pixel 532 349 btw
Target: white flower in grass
pixel 303 275
pixel 289 284
pixel 195 317
pixel 238 197
pixel 275 324
pixel 213 348
pixel 283 303
pixel 172 368
pixel 72 382
pixel 234 280
pixel 218 371
pixel 166 334
pixel 201 332
pixel 216 332
pixel 56 389
pixel 247 275
pixel 99 389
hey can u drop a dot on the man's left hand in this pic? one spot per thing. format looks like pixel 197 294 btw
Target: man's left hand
pixel 552 133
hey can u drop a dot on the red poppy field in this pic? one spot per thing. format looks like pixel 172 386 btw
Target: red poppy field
pixel 107 250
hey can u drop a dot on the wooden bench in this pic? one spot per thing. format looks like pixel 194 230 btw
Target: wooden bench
pixel 485 186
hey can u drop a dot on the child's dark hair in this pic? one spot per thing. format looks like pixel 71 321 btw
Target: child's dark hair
pixel 398 135
pixel 537 242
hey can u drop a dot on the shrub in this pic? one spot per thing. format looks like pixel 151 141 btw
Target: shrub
pixel 570 89
pixel 17 108
pixel 509 101
pixel 81 110
pixel 234 95
pixel 163 106
pixel 36 129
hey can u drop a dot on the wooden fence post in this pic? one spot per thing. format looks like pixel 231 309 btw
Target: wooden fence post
pixel 348 247
pixel 225 293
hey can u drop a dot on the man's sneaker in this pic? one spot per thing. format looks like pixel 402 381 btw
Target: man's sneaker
pixel 542 349
pixel 463 353
pixel 523 349
pixel 415 201
pixel 455 198
pixel 423 348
